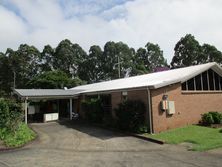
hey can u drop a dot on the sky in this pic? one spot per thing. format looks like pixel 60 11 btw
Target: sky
pixel 95 22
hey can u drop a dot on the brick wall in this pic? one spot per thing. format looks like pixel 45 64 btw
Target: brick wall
pixel 188 106
pixel 132 95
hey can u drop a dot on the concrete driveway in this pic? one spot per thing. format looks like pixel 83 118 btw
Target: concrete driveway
pixel 77 145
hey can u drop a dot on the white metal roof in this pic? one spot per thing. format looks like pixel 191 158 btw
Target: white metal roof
pixel 152 80
pixel 46 93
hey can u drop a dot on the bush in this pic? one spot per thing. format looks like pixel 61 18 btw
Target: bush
pixel 93 110
pixel 10 115
pixel 207 119
pixel 217 117
pixel 212 118
pixel 23 135
pixel 131 115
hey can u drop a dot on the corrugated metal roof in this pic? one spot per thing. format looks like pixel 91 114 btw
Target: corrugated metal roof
pixel 152 80
pixel 50 93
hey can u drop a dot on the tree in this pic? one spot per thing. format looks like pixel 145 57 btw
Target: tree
pixel 187 52
pixel 53 80
pixel 47 58
pixel 90 70
pixel 5 75
pixel 112 53
pixel 24 63
pixel 140 62
pixel 155 57
pixel 147 59
pixel 68 56
pixel 211 54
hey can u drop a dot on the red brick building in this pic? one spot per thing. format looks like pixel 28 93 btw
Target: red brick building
pixel 173 98
pixel 192 91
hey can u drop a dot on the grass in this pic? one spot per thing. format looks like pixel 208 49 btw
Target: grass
pixel 22 136
pixel 203 138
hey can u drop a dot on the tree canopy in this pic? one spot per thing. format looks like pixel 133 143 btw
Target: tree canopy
pixel 68 65
pixel 189 52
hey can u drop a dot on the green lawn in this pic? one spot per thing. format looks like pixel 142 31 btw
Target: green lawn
pixel 23 135
pixel 203 138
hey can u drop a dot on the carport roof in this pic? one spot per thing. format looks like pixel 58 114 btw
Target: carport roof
pixel 46 93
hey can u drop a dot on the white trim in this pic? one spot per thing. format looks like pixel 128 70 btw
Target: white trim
pixel 214 80
pixel 26 110
pixel 208 82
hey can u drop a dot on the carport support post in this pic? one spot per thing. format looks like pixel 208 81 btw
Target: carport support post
pixel 70 108
pixel 26 109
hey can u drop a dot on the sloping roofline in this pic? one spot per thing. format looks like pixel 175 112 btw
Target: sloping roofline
pixel 151 80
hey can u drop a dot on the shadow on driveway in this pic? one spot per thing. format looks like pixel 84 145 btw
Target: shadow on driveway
pixel 90 130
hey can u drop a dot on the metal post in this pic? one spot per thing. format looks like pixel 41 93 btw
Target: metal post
pixel 70 108
pixel 26 109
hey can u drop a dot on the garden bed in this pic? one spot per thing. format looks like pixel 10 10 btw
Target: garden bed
pixel 14 140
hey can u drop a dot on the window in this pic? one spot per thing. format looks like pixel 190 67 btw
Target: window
pixel 206 81
pixel 198 82
pixel 190 84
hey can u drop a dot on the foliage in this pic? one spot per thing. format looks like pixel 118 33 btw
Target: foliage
pixel 130 115
pixel 212 118
pixel 29 65
pixel 155 56
pixel 186 52
pixel 203 138
pixel 211 54
pixel 93 110
pixel 189 52
pixel 53 80
pixel 207 119
pixel 10 115
pixel 93 66
pixel 22 135
pixel 67 57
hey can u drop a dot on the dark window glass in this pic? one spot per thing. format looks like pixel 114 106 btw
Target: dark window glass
pixel 211 79
pixel 198 82
pixel 205 81
pixel 217 81
pixel 184 87
pixel 190 84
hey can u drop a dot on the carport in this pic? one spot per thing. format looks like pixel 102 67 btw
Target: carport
pixel 27 95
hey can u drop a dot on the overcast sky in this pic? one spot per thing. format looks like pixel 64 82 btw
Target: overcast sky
pixel 89 22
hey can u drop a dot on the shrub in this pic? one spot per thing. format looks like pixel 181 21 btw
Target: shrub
pixel 212 118
pixel 93 110
pixel 130 115
pixel 207 119
pixel 10 115
pixel 217 117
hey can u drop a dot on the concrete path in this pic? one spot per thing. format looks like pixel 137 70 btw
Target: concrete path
pixel 79 145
